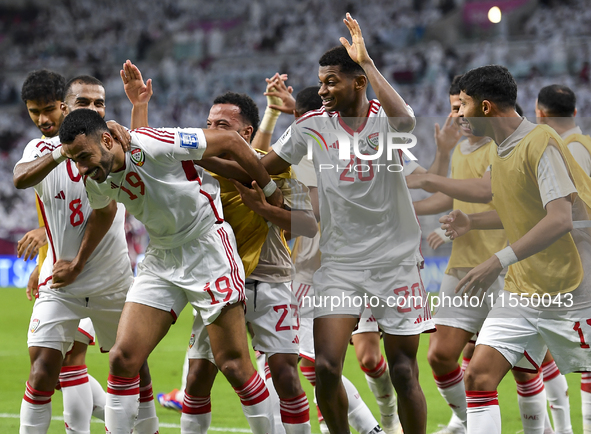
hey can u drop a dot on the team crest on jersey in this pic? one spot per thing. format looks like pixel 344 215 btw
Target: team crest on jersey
pixel 138 157
pixel 189 140
pixel 34 325
pixel 373 140
pixel 192 340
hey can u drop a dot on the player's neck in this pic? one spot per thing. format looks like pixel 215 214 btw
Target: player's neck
pixel 503 125
pixel 356 115
pixel 562 126
pixel 119 157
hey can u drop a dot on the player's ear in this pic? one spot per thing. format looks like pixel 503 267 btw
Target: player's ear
pixel 107 140
pixel 360 82
pixel 64 108
pixel 487 107
pixel 246 133
pixel 575 113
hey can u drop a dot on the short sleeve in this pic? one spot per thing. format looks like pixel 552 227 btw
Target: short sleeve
pixel 35 149
pixel 295 194
pixel 96 199
pixel 291 146
pixel 581 155
pixel 306 173
pixel 180 144
pixel 553 178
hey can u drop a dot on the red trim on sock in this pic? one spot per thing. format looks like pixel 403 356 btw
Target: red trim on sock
pixel 36 397
pixel 146 393
pixel 465 362
pixel 450 379
pixel 531 387
pixel 123 386
pixel 309 373
pixel 295 410
pixel 481 399
pixel 378 371
pixel 196 404
pixel 71 376
pixel 253 391
pixel 267 371
pixel 586 382
pixel 550 370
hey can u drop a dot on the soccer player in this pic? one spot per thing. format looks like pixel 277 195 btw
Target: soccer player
pixel 538 220
pixel 306 257
pixel 78 252
pixel 556 106
pixel 191 257
pixel 370 235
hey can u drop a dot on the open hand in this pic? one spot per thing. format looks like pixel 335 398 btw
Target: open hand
pixel 29 245
pixel 455 224
pixel 136 90
pixel 356 49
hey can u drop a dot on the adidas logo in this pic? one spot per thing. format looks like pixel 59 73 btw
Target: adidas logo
pixel 335 145
pixel 296 340
pixel 114 186
pixel 60 195
pixel 376 430
pixel 419 320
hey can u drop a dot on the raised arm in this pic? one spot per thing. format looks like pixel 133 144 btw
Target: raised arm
pixel 138 92
pixel 393 104
pixel 273 163
pixel 99 222
pixel 446 138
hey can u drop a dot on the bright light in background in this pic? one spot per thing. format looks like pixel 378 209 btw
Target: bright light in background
pixel 494 15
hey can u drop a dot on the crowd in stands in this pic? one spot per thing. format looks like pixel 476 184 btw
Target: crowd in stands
pixel 194 51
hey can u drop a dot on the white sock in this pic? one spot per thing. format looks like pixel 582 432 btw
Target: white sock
pixel 196 416
pixel 122 404
pixel 378 380
pixel 531 398
pixel 274 399
pixel 256 404
pixel 547 425
pixel 483 413
pixel 99 398
pixel 451 387
pixel 147 421
pixel 557 395
pixel 77 397
pixel 35 415
pixel 586 401
pixel 295 415
pixel 360 417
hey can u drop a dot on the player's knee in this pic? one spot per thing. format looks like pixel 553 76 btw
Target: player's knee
pixel 43 375
pixel 403 373
pixel 437 357
pixel 122 363
pixel 476 380
pixel 328 371
pixel 370 360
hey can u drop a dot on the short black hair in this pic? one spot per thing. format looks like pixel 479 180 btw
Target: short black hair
pixel 338 56
pixel 308 99
pixel 558 100
pixel 454 87
pixel 248 108
pixel 493 83
pixel 82 79
pixel 81 121
pixel 43 85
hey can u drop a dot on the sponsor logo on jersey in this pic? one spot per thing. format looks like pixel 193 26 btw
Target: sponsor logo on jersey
pixel 34 325
pixel 138 157
pixel 373 140
pixel 60 195
pixel 189 140
pixel 192 340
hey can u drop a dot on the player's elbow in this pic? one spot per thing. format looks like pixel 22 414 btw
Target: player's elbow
pixel 404 123
pixel 20 180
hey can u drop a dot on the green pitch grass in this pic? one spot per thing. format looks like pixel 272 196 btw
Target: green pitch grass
pixel 166 364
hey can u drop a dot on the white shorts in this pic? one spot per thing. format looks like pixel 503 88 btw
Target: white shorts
pixel 523 331
pixel 85 333
pixel 206 272
pixel 455 310
pixel 304 294
pixel 367 323
pixel 272 311
pixel 55 319
pixel 396 295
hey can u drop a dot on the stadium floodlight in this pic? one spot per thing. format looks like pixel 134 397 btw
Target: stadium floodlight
pixel 494 15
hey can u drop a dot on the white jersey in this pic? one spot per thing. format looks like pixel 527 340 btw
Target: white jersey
pixel 366 214
pixel 161 187
pixel 65 209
